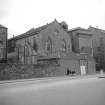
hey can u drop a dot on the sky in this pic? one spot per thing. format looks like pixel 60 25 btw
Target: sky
pixel 21 15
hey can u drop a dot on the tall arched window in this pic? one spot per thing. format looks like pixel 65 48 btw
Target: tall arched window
pixel 26 51
pixel 49 44
pixel 35 45
pixel 26 54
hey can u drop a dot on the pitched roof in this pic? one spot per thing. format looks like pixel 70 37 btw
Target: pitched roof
pixel 32 31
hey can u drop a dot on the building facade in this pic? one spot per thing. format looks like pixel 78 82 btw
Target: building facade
pixel 48 40
pixel 81 40
pixel 98 47
pixel 3 44
pixel 56 49
pixel 82 44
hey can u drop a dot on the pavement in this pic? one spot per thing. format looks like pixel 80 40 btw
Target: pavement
pixel 79 90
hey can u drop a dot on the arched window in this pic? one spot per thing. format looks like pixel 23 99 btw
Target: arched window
pixel 26 51
pixel 63 45
pixel 26 54
pixel 49 44
pixel 35 45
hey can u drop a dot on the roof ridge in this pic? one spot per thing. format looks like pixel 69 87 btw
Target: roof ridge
pixel 32 31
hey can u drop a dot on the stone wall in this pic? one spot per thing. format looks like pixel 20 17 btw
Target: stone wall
pixel 22 71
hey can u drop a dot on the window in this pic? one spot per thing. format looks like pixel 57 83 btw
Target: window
pixel 35 45
pixel 26 51
pixel 63 45
pixel 49 44
pixel 11 46
pixel 1 52
pixel 85 45
pixel 1 42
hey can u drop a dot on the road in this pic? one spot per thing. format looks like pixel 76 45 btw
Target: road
pixel 85 90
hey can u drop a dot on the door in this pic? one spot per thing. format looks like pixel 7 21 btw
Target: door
pixel 83 67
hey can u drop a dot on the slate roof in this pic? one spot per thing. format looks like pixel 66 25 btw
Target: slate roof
pixel 32 31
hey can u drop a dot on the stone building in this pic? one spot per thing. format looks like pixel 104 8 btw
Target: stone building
pixel 3 44
pixel 48 40
pixel 98 46
pixel 51 46
pixel 82 44
pixel 44 45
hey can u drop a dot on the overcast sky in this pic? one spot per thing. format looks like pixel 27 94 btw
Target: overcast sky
pixel 21 15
